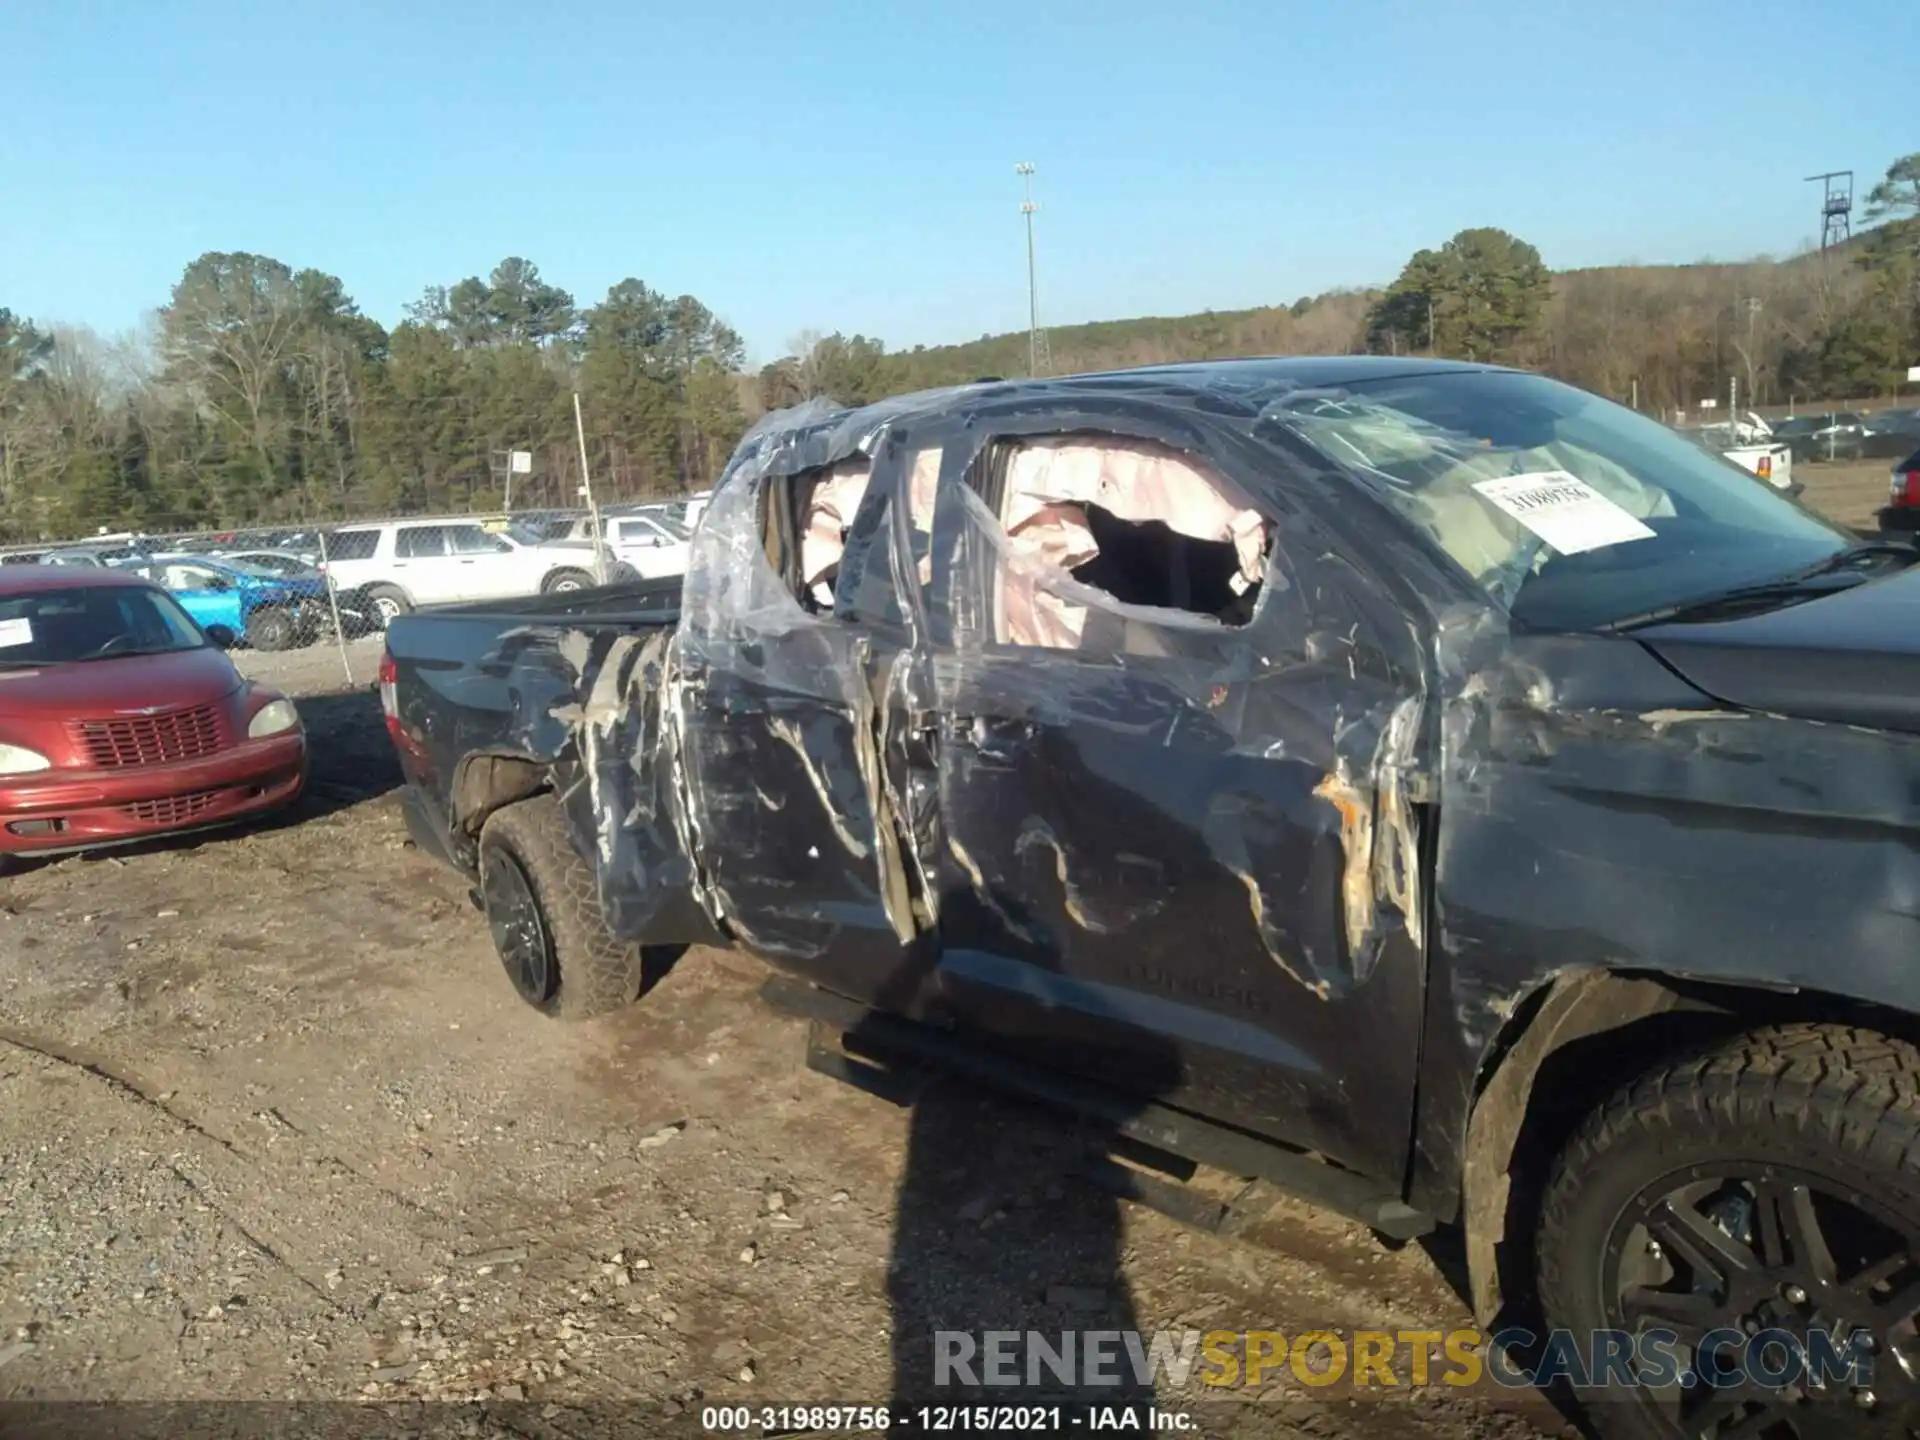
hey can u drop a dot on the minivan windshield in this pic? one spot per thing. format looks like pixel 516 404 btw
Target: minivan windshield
pixel 1571 512
pixel 90 622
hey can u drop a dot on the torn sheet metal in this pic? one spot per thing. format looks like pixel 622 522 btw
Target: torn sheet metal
pixel 1592 796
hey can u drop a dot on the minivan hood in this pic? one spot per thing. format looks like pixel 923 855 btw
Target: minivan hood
pixel 98 689
pixel 1852 657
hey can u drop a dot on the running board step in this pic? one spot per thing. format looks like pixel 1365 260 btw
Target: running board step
pixel 865 1057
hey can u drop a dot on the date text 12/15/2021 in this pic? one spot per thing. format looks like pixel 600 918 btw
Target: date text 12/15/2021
pixel 772 1420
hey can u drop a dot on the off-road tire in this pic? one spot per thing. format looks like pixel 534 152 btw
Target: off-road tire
pixel 389 603
pixel 272 628
pixel 1827 1100
pixel 567 579
pixel 592 973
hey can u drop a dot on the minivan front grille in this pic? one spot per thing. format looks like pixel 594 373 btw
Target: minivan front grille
pixel 130 740
pixel 176 809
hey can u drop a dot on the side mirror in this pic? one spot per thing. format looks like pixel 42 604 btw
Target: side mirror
pixel 222 637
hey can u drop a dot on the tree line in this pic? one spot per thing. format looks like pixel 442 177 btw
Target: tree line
pixel 263 394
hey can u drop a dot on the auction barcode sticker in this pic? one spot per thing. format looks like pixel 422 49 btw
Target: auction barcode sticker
pixel 16 632
pixel 1563 510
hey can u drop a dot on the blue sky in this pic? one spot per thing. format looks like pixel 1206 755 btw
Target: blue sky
pixel 848 164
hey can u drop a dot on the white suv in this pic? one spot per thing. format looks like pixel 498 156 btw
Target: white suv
pixel 399 564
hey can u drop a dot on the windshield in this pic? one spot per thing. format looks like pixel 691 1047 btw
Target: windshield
pixel 525 531
pixel 1569 510
pixel 91 623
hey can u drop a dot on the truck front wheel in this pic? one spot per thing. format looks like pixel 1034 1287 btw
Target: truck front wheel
pixel 1754 1213
pixel 543 906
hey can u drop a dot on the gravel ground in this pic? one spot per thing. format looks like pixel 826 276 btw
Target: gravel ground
pixel 274 1127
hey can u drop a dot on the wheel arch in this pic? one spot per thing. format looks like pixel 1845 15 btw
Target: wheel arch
pixel 490 780
pixel 374 587
pixel 1567 1045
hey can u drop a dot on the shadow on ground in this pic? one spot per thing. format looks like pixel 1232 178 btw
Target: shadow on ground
pixel 351 759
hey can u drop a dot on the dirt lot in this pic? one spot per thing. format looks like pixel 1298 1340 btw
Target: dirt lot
pixel 1849 492
pixel 273 1127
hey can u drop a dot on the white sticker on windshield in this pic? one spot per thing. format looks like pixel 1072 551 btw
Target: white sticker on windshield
pixel 16 632
pixel 1563 510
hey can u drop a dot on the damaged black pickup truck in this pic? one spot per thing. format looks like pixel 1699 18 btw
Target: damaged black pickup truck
pixel 1424 787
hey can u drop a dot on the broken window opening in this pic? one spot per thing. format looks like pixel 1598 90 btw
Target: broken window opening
pixel 804 520
pixel 1138 533
pixel 807 522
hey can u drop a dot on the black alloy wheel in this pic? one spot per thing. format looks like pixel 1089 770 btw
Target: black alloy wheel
pixel 520 933
pixel 1754 1208
pixel 1721 1256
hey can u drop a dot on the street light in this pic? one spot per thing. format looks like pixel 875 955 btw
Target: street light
pixel 1027 208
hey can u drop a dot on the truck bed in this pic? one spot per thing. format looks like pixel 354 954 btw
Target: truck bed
pixel 496 679
pixel 650 602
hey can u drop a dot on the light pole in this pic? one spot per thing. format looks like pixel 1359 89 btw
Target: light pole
pixel 1025 171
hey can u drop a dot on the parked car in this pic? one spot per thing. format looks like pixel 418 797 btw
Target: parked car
pixel 1902 510
pixel 648 538
pixel 400 564
pixel 1752 447
pixel 1838 435
pixel 122 719
pixel 688 509
pixel 358 614
pixel 75 555
pixel 1891 433
pixel 1425 787
pixel 271 611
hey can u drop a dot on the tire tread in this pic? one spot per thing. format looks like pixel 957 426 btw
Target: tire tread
pixel 1853 1091
pixel 599 973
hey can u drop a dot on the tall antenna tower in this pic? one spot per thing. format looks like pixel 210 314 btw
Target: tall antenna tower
pixel 1836 206
pixel 1038 360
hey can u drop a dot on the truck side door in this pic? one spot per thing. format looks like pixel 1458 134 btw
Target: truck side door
pixel 1168 824
pixel 784 697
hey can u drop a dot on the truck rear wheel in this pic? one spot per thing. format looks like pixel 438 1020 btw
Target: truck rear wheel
pixel 569 579
pixel 543 906
pixel 1763 1193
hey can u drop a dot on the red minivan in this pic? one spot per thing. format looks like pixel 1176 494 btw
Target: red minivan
pixel 121 719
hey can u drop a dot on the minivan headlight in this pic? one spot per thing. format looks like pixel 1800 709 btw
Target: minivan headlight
pixel 273 718
pixel 18 760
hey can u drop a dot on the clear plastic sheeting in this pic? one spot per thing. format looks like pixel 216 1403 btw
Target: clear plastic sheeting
pixel 1040 602
pixel 791 771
